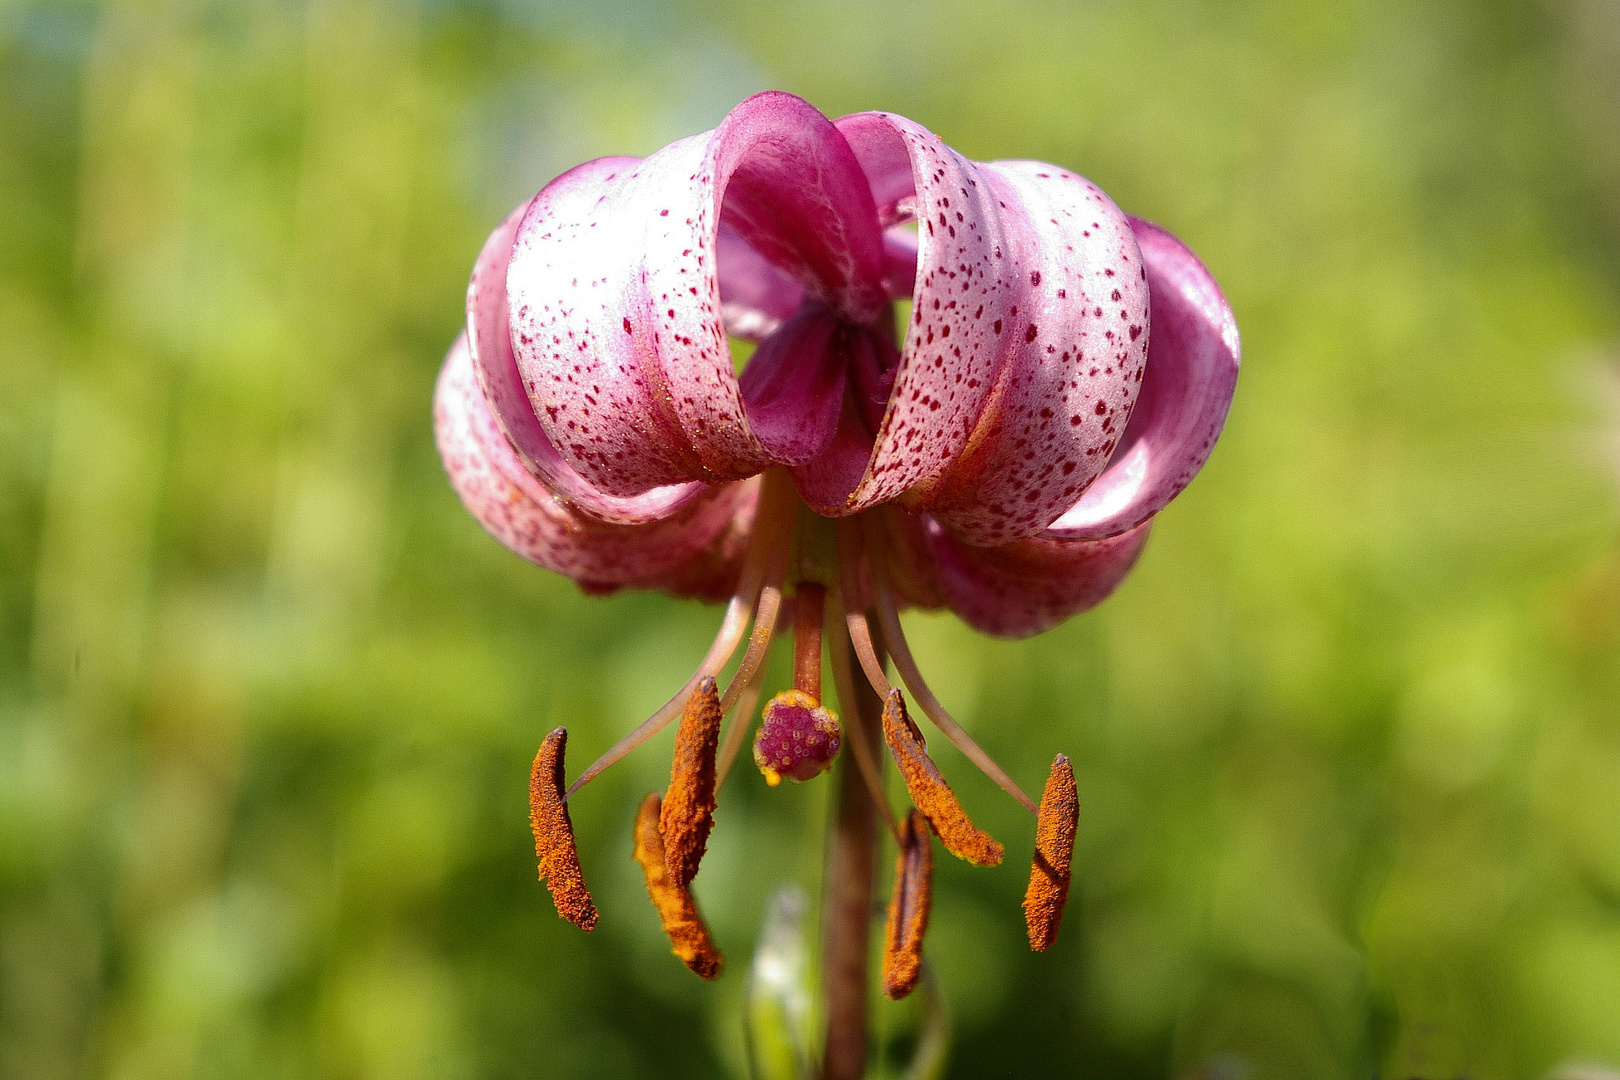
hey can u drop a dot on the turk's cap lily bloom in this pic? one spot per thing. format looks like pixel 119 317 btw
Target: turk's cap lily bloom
pixel 1063 373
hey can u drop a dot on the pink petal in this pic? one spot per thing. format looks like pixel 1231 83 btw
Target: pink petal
pixel 697 551
pixel 907 555
pixel 616 299
pixel 1191 373
pixel 900 261
pixel 943 381
pixel 1080 345
pixel 755 296
pixel 1032 584
pixel 794 385
pixel 490 343
pixel 869 359
pixel 825 481
pixel 1027 337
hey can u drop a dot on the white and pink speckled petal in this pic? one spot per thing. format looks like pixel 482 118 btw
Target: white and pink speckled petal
pixel 696 551
pixel 615 290
pixel 1076 339
pixel 1030 585
pixel 1027 333
pixel 489 341
pixel 1192 371
pixel 949 362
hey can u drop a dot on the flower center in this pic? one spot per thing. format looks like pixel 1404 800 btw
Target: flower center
pixel 801 567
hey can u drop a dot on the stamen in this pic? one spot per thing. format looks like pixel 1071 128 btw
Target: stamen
pixel 733 740
pixel 725 643
pixel 1049 872
pixel 677 910
pixel 770 605
pixel 908 908
pixel 688 812
pixel 895 637
pixel 929 790
pixel 850 587
pixel 775 517
pixel 554 834
pixel 865 760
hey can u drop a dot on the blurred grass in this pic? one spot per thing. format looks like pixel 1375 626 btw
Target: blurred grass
pixel 1347 740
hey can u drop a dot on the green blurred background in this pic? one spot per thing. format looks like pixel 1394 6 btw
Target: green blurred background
pixel 1348 740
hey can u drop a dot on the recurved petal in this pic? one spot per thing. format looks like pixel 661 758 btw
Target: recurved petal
pixel 490 343
pixel 616 300
pixel 696 550
pixel 1192 370
pixel 755 296
pixel 949 362
pixel 1030 585
pixel 1075 345
pixel 1026 340
pixel 794 385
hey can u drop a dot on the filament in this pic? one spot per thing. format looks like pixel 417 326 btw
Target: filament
pixel 895 638
pixel 759 642
pixel 859 724
pixel 747 701
pixel 748 599
pixel 860 632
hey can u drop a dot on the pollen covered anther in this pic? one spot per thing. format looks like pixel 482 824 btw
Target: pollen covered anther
pixel 554 834
pixel 677 910
pixel 688 808
pixel 929 790
pixel 908 908
pixel 1054 851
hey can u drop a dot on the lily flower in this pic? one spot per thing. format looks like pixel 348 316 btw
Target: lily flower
pixel 1063 372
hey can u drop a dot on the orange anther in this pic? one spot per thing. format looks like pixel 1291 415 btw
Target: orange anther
pixel 908 908
pixel 677 910
pixel 929 790
pixel 1054 850
pixel 554 834
pixel 688 812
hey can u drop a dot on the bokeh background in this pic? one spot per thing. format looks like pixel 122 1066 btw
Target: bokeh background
pixel 1348 740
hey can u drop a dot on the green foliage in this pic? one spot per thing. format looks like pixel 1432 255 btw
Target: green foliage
pixel 1347 741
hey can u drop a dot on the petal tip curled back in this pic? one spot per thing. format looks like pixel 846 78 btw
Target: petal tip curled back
pixel 1192 370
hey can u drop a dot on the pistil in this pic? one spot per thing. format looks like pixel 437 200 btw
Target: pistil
pixel 808 611
pixel 798 737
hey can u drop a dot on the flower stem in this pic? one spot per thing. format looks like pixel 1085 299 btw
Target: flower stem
pixel 847 904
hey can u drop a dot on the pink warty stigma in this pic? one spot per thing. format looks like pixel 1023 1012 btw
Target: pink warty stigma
pixel 797 740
